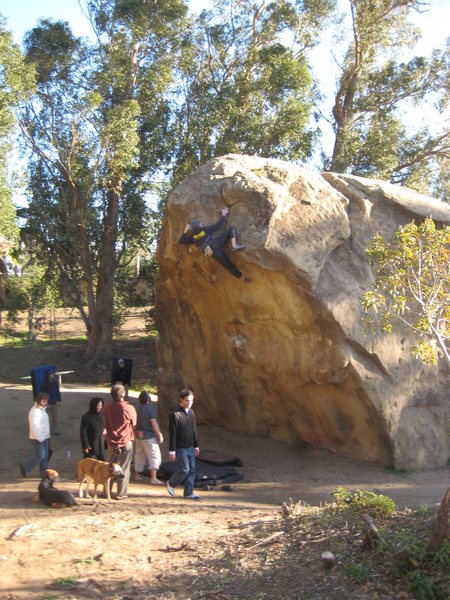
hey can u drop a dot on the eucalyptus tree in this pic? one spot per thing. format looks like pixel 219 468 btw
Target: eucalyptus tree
pixel 16 83
pixel 98 129
pixel 245 83
pixel 372 136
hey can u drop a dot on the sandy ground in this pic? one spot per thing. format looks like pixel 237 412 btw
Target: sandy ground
pixel 108 547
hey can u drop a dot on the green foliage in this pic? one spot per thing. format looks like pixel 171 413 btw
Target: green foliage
pixel 64 581
pixel 33 290
pixel 375 89
pixel 13 339
pixel 429 579
pixel 412 284
pixel 9 228
pixel 135 282
pixel 242 89
pixel 119 139
pixel 16 83
pixel 91 560
pixel 357 573
pixel 420 586
pixel 376 505
pixel 91 177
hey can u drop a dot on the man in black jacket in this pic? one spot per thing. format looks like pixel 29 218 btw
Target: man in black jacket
pixel 210 245
pixel 183 445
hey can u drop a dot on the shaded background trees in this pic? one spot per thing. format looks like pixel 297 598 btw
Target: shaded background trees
pixel 96 128
pixel 122 116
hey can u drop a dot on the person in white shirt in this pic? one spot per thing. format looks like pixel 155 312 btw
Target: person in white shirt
pixel 39 436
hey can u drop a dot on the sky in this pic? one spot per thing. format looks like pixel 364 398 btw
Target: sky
pixel 23 15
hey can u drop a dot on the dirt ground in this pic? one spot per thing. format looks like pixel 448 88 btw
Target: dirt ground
pixel 152 545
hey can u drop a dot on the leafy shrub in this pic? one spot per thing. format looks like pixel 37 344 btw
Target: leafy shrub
pixel 375 505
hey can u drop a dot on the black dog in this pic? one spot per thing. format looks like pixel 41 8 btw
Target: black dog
pixel 52 496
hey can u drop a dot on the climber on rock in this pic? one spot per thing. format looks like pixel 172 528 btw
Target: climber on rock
pixel 210 245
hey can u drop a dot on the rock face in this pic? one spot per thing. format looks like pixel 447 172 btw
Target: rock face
pixel 283 352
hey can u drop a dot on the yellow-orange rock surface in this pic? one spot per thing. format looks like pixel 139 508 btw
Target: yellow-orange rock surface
pixel 283 351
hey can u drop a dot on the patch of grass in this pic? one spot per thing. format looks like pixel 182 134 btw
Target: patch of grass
pixel 420 586
pixel 357 573
pixel 374 504
pixel 73 341
pixel 64 581
pixel 13 339
pixel 20 340
pixel 397 470
pixel 429 579
pixel 377 572
pixel 85 561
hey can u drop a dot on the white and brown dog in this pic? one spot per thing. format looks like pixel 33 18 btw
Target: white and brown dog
pixel 100 472
pixel 50 495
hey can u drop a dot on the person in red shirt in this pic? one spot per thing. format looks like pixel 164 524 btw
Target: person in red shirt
pixel 120 421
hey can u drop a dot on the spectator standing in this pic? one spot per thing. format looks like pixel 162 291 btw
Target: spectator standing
pixel 148 438
pixel 120 422
pixel 121 373
pixel 183 445
pixel 39 427
pixel 92 429
pixel 50 387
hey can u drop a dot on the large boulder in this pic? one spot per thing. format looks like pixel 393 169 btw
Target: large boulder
pixel 283 352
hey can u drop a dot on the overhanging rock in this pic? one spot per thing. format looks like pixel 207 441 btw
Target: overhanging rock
pixel 283 351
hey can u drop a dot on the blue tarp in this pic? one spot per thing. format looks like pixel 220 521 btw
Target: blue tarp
pixel 38 377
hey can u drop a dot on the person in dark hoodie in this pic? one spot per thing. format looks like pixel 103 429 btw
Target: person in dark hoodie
pixel 213 245
pixel 92 428
pixel 50 387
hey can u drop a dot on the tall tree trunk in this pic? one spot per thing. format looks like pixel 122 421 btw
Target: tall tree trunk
pixel 343 109
pixel 30 326
pixel 100 330
pixel 338 163
pixel 3 277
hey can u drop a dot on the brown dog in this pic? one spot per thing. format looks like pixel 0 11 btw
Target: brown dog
pixel 52 496
pixel 100 472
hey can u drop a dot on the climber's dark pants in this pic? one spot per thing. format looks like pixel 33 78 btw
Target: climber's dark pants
pixel 217 246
